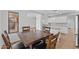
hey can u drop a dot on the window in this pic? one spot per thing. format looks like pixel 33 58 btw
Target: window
pixel 13 22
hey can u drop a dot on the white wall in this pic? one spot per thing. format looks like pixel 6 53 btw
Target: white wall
pixel 4 20
pixel 3 24
pixel 44 19
pixel 38 22
pixel 0 23
pixel 71 21
pixel 0 31
pixel 27 19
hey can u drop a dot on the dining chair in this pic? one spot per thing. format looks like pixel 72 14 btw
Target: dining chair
pixel 41 44
pixel 26 28
pixel 14 45
pixel 52 40
pixel 46 29
pixel 7 43
pixel 33 29
pixel 6 34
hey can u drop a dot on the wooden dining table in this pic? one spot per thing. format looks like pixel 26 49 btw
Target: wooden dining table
pixel 30 37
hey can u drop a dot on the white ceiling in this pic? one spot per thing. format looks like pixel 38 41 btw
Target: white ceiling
pixel 56 12
pixel 52 13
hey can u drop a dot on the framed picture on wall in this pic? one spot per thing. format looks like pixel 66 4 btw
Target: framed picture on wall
pixel 13 22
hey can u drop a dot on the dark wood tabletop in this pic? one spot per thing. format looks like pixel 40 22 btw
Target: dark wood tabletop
pixel 30 37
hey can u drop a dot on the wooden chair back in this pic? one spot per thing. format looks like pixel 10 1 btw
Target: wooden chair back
pixel 6 41
pixel 26 28
pixel 5 32
pixel 33 29
pixel 46 29
pixel 52 40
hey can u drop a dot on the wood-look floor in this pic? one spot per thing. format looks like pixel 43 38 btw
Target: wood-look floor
pixel 66 41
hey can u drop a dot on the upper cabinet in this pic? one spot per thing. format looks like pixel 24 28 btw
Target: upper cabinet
pixel 58 19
